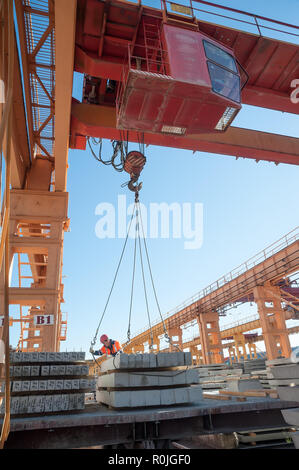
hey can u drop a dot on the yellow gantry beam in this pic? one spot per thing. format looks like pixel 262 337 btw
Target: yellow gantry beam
pixel 65 26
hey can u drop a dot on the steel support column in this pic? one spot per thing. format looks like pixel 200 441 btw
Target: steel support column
pixel 175 344
pixel 272 318
pixel 209 332
pixel 36 228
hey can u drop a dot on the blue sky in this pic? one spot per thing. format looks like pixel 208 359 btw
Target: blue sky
pixel 246 207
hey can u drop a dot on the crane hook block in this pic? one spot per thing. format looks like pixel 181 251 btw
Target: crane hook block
pixel 134 163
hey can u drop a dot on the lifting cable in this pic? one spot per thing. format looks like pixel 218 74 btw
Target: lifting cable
pixel 153 284
pixel 137 236
pixel 93 342
pixel 133 279
pixel 132 163
pixel 139 224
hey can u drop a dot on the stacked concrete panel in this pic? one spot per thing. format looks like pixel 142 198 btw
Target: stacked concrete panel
pixel 264 376
pixel 252 365
pixel 286 381
pixel 144 380
pixel 215 376
pixel 243 384
pixel 47 382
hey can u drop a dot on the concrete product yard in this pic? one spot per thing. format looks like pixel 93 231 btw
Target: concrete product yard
pixel 286 374
pixel 93 92
pixel 157 404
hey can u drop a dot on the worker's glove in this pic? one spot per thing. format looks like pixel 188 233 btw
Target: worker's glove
pixel 91 350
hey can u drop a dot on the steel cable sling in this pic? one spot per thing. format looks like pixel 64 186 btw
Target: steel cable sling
pixel 93 342
pixel 168 339
pixel 137 236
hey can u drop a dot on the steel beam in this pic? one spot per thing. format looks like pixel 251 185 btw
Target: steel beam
pixel 268 98
pixel 65 21
pixel 100 121
pixel 100 426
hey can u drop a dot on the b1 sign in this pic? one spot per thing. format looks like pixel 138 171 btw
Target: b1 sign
pixel 42 320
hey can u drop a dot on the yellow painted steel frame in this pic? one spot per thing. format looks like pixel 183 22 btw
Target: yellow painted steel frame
pixel 47 38
pixel 30 168
pixel 6 128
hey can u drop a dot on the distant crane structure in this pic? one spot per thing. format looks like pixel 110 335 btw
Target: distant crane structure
pixel 135 89
pixel 264 279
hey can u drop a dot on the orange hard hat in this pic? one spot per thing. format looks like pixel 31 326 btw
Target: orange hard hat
pixel 103 338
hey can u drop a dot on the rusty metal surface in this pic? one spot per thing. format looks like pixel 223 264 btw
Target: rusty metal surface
pixel 95 415
pixel 98 426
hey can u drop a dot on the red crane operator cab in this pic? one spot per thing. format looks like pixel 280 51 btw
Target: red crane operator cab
pixel 179 82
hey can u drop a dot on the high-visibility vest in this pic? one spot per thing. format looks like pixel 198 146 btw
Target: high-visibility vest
pixel 112 349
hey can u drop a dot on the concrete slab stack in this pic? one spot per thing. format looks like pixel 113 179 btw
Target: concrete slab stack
pixel 143 380
pixel 252 365
pixel 264 376
pixel 215 376
pixel 243 384
pixel 286 381
pixel 47 382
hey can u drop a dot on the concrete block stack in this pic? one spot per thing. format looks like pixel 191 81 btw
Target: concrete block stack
pixel 215 376
pixel 252 365
pixel 264 376
pixel 243 384
pixel 286 381
pixel 285 378
pixel 256 375
pixel 143 380
pixel 47 382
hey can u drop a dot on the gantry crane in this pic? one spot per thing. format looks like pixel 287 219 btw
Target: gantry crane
pixel 128 52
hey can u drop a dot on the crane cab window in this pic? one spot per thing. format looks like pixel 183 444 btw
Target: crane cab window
pixel 223 72
pixel 224 82
pixel 219 56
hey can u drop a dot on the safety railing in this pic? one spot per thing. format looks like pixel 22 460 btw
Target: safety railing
pixel 149 59
pixel 221 15
pixel 240 322
pixel 227 16
pixel 267 253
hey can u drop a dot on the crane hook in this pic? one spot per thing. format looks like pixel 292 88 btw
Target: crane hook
pixel 131 184
pixel 133 165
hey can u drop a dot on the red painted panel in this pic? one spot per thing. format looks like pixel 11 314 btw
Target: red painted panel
pixel 122 21
pixel 154 100
pixel 91 44
pixel 93 17
pixel 275 66
pixel 124 14
pixel 186 57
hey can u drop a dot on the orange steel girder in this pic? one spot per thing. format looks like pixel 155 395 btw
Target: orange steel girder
pixel 100 121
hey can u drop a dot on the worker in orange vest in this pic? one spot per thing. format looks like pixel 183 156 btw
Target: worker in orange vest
pixel 110 347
